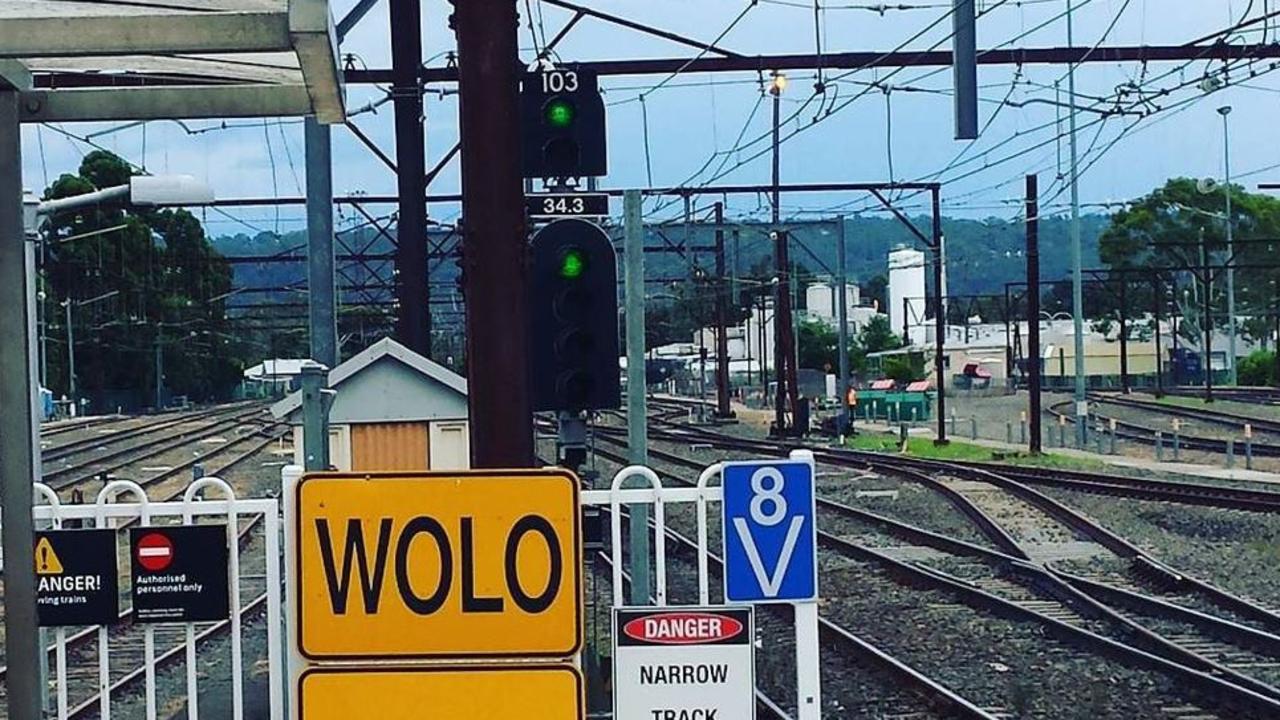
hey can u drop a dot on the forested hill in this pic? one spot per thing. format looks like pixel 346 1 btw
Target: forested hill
pixel 982 255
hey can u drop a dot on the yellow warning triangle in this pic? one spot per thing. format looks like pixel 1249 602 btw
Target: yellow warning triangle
pixel 47 562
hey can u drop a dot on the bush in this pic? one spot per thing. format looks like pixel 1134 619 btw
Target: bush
pixel 1258 368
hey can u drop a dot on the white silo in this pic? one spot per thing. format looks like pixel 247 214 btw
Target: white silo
pixel 906 288
pixel 818 301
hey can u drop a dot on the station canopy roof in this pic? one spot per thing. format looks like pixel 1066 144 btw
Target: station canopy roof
pixel 153 59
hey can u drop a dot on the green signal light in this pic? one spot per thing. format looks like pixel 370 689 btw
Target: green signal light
pixel 572 264
pixel 559 113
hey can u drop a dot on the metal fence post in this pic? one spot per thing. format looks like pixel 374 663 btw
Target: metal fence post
pixel 1177 427
pixel 1008 431
pixel 953 421
pixel 1113 435
pixel 1159 446
pixel 1231 452
pixel 1022 423
pixel 973 428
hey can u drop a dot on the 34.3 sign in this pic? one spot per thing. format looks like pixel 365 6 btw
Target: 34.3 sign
pixel 555 205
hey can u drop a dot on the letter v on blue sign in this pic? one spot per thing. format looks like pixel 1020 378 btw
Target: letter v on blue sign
pixel 770 532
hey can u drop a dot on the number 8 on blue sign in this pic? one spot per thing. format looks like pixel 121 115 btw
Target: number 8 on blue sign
pixel 770 532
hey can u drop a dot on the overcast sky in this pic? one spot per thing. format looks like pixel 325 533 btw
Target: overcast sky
pixel 861 133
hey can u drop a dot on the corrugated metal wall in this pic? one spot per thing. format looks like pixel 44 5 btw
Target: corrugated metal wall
pixel 390 446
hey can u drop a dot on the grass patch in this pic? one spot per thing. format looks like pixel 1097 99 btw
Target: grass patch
pixel 963 451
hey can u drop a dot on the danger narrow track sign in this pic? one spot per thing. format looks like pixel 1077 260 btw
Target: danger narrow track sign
pixel 438 565
pixel 687 663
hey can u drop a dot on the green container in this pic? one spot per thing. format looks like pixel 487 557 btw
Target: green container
pixel 894 405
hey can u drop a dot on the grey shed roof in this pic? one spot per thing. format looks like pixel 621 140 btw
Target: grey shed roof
pixel 379 352
pixel 150 59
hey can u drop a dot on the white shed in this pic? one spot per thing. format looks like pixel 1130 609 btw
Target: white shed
pixel 394 410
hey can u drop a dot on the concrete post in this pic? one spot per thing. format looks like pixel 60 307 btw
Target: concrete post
pixel 1159 446
pixel 315 416
pixel 637 401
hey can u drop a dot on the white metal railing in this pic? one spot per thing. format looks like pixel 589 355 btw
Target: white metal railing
pixel 105 512
pixel 701 493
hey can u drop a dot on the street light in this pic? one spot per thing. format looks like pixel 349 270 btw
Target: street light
pixel 1232 376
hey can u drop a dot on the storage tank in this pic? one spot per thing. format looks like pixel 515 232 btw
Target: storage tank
pixel 906 287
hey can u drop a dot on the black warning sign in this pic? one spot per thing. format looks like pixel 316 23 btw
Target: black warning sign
pixel 77 577
pixel 180 573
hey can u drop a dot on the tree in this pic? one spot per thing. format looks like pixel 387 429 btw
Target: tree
pixel 876 336
pixel 876 290
pixel 159 281
pixel 1168 228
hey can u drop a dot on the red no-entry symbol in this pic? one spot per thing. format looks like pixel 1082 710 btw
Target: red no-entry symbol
pixel 155 552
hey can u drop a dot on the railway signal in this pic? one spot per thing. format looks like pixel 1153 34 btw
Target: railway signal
pixel 562 125
pixel 573 319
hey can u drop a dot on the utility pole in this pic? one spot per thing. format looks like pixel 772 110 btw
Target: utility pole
pixel 494 246
pixel 842 332
pixel 1077 269
pixel 722 321
pixel 1158 297
pixel 637 399
pixel 1233 377
pixel 784 362
pixel 71 357
pixel 1033 312
pixel 321 286
pixel 1124 333
pixel 1207 280
pixel 20 440
pixel 159 373
pixel 939 316
pixel 413 326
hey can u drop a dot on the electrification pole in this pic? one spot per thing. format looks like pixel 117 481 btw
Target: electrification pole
pixel 637 399
pixel 1233 377
pixel 722 321
pixel 1033 312
pixel 842 334
pixel 494 247
pixel 1077 269
pixel 413 327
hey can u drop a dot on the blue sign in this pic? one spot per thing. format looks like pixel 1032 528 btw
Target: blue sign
pixel 770 532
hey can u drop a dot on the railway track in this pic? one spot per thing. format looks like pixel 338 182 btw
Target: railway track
pixel 72 475
pixel 1200 646
pixel 61 427
pixel 103 439
pixel 1259 395
pixel 875 685
pixel 1236 421
pixel 1141 434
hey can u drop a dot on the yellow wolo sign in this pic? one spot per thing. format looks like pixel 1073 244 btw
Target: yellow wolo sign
pixel 439 565
pixel 527 692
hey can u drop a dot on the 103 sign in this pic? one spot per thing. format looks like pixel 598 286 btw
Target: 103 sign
pixel 567 205
pixel 558 81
